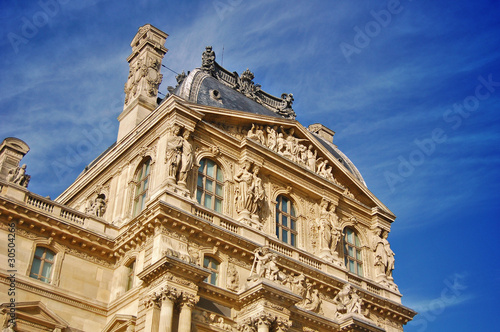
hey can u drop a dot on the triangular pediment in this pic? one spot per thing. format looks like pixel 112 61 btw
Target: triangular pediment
pixel 256 128
pixel 35 316
pixel 120 323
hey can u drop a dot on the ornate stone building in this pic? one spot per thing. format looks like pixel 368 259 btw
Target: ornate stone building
pixel 215 210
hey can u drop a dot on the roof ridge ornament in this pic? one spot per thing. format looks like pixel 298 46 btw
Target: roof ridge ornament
pixel 246 86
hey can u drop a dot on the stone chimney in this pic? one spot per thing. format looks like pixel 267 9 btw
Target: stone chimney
pixel 323 132
pixel 144 78
pixel 12 150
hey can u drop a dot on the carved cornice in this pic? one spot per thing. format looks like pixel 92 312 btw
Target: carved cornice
pixel 169 266
pixel 269 291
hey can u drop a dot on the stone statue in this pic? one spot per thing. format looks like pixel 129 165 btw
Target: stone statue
pixel 291 144
pixel 19 176
pixel 252 133
pixel 298 284
pixel 280 141
pixel 247 86
pixel 249 194
pixel 329 230
pixel 174 153
pixel 311 158
pixel 384 256
pixel 312 300
pixel 256 192
pixel 285 109
pixel 244 179
pixel 98 206
pixel 180 77
pixel 186 157
pixel 208 60
pixel 233 279
pixel 347 301
pixel 264 265
pixel 272 137
pixel 259 131
pixel 302 154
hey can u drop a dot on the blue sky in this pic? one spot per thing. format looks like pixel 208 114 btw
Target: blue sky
pixel 411 89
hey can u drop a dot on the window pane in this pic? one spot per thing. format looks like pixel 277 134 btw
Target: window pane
pixel 277 231
pixel 46 268
pixel 198 195
pixel 200 180
pixel 360 270
pixel 284 205
pixel 356 240
pixel 358 255
pixel 213 278
pixel 352 267
pixel 284 221
pixel 285 236
pixel 208 201
pixel 218 205
pixel 39 252
pixel 210 168
pixel 220 175
pixel 292 212
pixel 35 267
pixel 144 185
pixel 351 251
pixel 202 166
pixel 293 224
pixel 218 189
pixel 349 236
pixel 292 239
pixel 49 255
pixel 146 172
pixel 206 261
pixel 209 185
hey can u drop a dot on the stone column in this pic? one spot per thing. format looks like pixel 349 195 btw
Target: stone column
pixel 188 301
pixel 264 321
pixel 167 297
pixel 152 305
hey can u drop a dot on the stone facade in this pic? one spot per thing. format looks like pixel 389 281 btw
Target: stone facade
pixel 200 218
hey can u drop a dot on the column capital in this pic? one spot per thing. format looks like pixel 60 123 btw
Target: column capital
pixel 265 319
pixel 247 325
pixel 151 300
pixel 188 300
pixel 282 324
pixel 168 293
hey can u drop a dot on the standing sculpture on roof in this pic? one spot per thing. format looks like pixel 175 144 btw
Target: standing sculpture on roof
pixel 285 109
pixel 208 60
pixel 19 176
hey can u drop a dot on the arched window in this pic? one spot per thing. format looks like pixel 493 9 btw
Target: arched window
pixel 286 221
pixel 352 252
pixel 41 267
pixel 210 185
pixel 211 264
pixel 141 186
pixel 130 275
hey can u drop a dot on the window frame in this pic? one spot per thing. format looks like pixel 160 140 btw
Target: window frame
pixel 357 257
pixel 292 234
pixel 201 185
pixel 214 271
pixel 130 276
pixel 140 189
pixel 43 262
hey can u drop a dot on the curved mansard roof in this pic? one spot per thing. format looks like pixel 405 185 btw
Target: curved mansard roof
pixel 213 85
